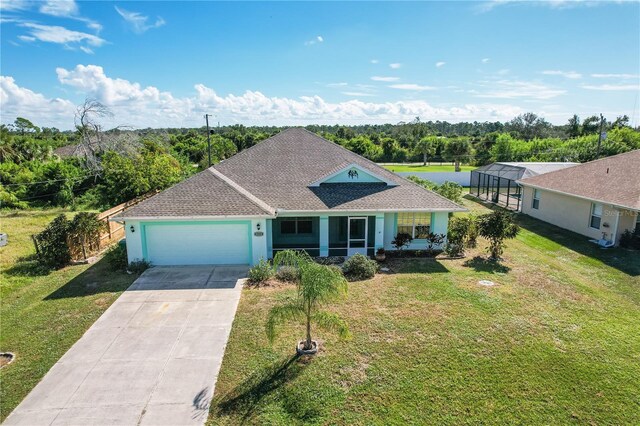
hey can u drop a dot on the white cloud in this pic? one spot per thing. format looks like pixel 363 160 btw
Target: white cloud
pixel 60 35
pixel 440 64
pixel 357 94
pixel 340 84
pixel 623 76
pixel 317 39
pixel 20 102
pixel 59 8
pixel 612 87
pixel 512 89
pixel 395 65
pixel 485 60
pixel 504 71
pixel 141 107
pixel 13 5
pixel 138 22
pixel 552 4
pixel 411 86
pixel 573 75
pixel 374 61
pixel 387 79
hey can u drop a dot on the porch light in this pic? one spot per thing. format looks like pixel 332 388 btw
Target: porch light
pixel 132 229
pixel 258 226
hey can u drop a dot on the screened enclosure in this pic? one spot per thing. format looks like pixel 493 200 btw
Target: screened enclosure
pixel 497 182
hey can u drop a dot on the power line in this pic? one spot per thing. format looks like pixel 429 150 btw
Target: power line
pixel 49 181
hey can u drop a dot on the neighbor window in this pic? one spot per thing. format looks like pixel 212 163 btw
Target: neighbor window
pixel 596 215
pixel 296 225
pixel 415 224
pixel 536 199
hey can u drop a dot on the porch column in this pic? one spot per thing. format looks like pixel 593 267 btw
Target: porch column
pixel 379 240
pixel 324 235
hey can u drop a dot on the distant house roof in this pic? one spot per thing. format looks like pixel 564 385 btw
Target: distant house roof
pixel 521 170
pixel 280 175
pixel 68 151
pixel 612 180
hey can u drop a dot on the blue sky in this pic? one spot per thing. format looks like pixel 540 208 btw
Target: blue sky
pixel 167 63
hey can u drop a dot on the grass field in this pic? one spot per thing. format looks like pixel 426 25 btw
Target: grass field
pixel 44 313
pixel 556 341
pixel 420 168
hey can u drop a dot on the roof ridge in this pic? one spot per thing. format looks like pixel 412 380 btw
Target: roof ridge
pixel 266 207
pixel 584 164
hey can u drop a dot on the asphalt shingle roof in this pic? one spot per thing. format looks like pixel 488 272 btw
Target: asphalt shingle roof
pixel 278 172
pixel 614 180
pixel 203 194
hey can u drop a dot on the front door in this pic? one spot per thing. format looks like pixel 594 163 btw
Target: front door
pixel 357 231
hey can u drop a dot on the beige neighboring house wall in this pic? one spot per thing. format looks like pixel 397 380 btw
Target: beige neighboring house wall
pixel 574 214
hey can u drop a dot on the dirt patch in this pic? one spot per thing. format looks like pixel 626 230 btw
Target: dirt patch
pixel 272 283
pixel 6 358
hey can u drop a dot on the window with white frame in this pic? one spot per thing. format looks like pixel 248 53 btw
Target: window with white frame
pixel 417 225
pixel 596 215
pixel 535 203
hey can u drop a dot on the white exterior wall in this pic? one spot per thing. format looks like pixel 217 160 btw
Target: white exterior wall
pixel 574 214
pixel 259 245
pixel 133 240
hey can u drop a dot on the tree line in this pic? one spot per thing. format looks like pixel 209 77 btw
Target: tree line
pixel 100 168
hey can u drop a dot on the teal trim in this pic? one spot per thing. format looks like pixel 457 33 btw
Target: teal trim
pixel 395 224
pixel 143 235
pixel 143 232
pixel 324 224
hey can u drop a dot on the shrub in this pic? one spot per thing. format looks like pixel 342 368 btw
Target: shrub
pixel 631 239
pixel 434 240
pixel 138 266
pixel 260 272
pixel 462 234
pixel 288 274
pixel 53 250
pixel 84 234
pixel 450 190
pixel 116 257
pixel 401 241
pixel 359 267
pixel 497 227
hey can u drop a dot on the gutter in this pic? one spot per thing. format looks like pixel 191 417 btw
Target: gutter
pixel 121 219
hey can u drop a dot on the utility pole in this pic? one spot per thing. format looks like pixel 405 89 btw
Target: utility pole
pixel 600 135
pixel 206 117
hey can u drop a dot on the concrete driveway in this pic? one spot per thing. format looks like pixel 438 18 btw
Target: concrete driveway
pixel 152 358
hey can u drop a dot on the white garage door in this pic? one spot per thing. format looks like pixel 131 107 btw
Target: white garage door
pixel 197 244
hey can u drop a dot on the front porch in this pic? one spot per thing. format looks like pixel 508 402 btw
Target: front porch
pixel 348 234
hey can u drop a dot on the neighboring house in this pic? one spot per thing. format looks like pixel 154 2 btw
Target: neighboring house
pixel 599 199
pixel 496 182
pixel 294 190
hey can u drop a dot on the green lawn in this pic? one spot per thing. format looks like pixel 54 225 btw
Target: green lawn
pixel 43 314
pixel 419 168
pixel 556 341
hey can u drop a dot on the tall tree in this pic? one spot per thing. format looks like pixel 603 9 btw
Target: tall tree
pixel 427 147
pixel 457 150
pixel 573 130
pixel 23 126
pixel 529 126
